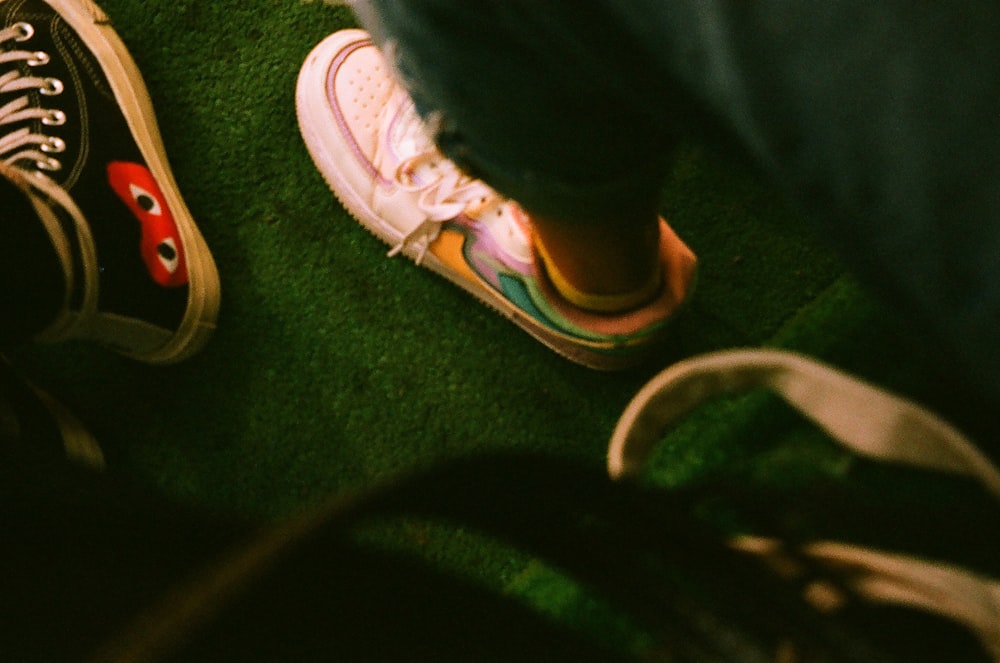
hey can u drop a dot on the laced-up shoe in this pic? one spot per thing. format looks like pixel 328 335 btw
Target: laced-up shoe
pixel 378 158
pixel 79 137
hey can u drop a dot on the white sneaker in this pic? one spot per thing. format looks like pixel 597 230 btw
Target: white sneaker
pixel 364 135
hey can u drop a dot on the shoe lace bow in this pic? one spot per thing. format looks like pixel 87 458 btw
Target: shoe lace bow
pixel 443 191
pixel 25 142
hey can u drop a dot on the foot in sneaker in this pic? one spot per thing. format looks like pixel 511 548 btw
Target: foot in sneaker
pixel 78 136
pixel 370 145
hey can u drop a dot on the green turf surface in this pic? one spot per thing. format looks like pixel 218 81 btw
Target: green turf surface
pixel 334 367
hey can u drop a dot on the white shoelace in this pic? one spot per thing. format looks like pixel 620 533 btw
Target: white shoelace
pixel 443 191
pixel 23 143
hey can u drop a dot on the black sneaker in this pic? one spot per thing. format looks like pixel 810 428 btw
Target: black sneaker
pixel 79 136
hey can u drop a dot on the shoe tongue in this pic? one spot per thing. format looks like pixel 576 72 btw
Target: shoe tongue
pixel 405 131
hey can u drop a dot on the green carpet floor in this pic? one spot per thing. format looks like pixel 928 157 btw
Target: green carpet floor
pixel 334 367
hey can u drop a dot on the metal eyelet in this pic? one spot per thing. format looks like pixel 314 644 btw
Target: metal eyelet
pixel 55 118
pixel 38 59
pixel 50 164
pixel 27 31
pixel 53 86
pixel 54 145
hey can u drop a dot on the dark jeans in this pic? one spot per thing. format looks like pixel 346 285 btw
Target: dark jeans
pixel 879 120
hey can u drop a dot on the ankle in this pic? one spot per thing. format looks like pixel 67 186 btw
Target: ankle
pixel 604 265
pixel 618 298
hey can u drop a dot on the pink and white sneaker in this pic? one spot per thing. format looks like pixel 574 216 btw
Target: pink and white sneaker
pixel 375 153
